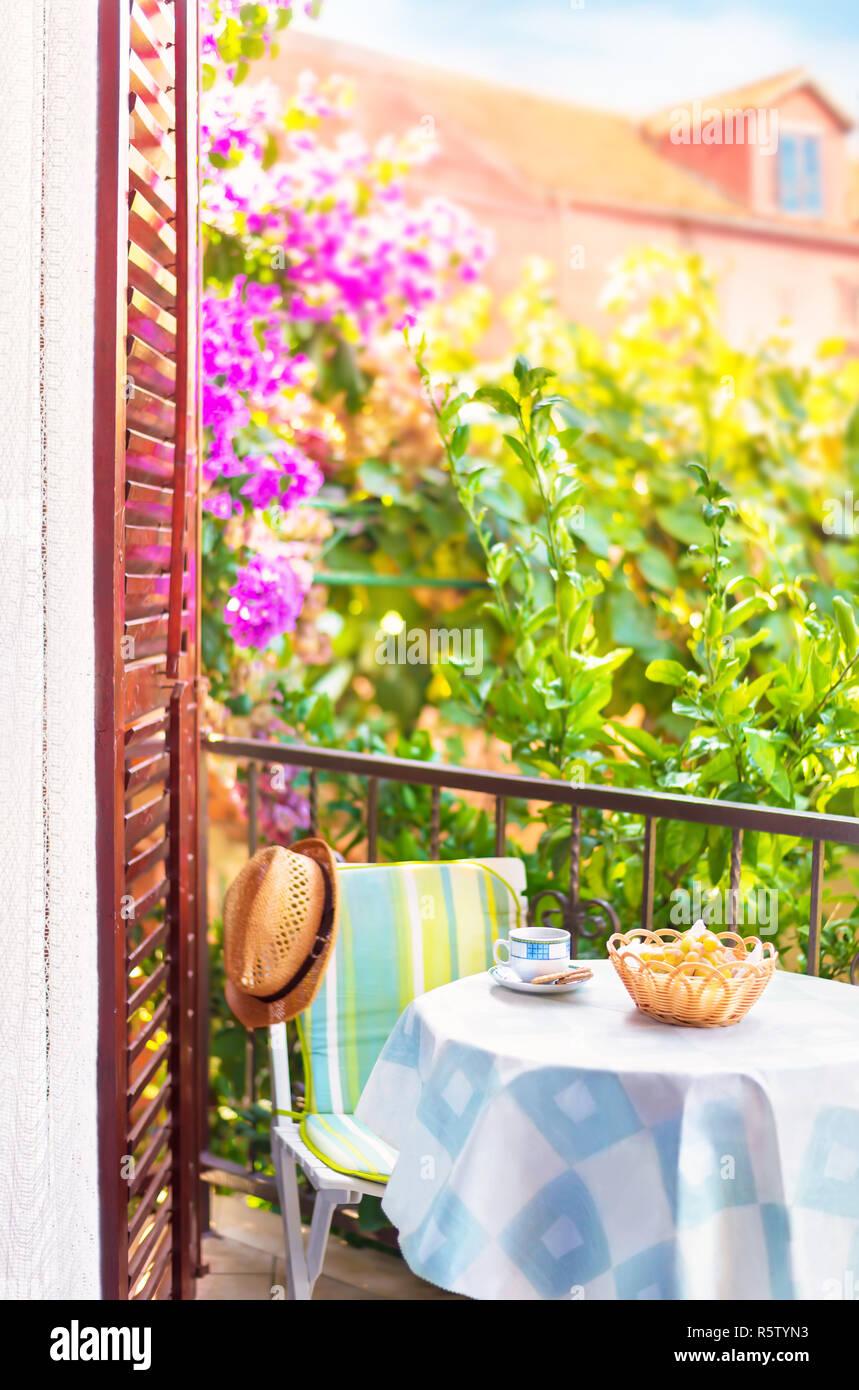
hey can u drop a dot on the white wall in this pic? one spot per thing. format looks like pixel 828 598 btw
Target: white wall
pixel 48 964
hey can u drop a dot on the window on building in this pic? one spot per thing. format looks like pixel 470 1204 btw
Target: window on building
pixel 800 174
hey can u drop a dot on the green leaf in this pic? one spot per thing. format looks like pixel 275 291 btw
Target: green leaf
pixel 549 402
pixel 780 782
pixel 498 398
pixel 734 702
pixel 253 46
pixel 759 687
pixel 666 672
pixel 717 769
pixel 845 617
pixel 847 779
pixel 762 753
pixel 534 380
pixel 643 741
pixel 539 619
pixel 459 441
pixel 747 608
pixel 452 408
pixel 519 450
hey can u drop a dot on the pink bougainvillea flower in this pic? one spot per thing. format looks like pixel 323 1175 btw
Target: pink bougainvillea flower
pixel 265 600
pixel 303 476
pixel 262 487
pixel 221 505
pixel 286 475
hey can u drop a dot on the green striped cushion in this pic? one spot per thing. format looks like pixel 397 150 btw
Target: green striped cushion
pixel 404 929
pixel 346 1145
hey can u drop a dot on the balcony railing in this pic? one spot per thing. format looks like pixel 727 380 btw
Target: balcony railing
pixel 583 917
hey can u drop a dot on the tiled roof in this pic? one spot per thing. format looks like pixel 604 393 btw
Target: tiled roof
pixel 534 146
pixel 755 96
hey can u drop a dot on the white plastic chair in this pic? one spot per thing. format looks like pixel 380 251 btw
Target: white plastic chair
pixel 290 1152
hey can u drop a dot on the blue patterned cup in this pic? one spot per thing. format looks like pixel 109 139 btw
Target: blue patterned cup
pixel 533 951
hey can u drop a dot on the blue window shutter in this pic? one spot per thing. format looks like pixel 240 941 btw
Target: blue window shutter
pixel 788 174
pixel 800 174
pixel 812 175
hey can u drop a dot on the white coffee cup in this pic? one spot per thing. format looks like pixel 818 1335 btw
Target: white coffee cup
pixel 533 951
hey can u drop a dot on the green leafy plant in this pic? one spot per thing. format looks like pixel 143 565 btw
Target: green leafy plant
pixel 550 714
pixel 788 734
pixel 753 717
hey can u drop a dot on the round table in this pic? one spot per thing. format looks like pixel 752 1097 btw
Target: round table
pixel 571 1147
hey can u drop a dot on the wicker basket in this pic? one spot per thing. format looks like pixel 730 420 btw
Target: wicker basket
pixel 673 994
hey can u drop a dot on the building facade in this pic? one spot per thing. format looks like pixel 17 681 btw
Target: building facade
pixel 759 181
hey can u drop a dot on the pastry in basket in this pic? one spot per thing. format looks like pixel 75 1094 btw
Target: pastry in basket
pixel 700 951
pixel 699 978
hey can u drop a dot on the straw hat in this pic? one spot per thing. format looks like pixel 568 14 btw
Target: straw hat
pixel 280 925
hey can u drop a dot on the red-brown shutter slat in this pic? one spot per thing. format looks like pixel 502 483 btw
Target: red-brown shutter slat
pixel 151 322
pixel 144 181
pixel 150 278
pixel 150 368
pixel 155 56
pixel 147 859
pixel 152 232
pixel 142 1039
pixel 149 136
pixel 142 85
pixel 152 414
pixel 143 512
pixel 143 774
pixel 146 92
pixel 159 16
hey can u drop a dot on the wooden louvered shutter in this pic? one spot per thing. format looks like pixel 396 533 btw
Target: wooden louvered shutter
pixel 146 513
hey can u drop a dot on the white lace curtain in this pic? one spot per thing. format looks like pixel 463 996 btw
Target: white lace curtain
pixel 48 962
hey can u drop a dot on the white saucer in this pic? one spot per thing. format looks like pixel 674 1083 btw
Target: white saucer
pixel 503 975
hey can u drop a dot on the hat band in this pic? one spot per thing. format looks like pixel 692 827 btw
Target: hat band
pixel 313 954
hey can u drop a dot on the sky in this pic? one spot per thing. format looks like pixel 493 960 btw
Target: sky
pixel 622 55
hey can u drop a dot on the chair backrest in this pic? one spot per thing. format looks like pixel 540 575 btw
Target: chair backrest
pixel 404 929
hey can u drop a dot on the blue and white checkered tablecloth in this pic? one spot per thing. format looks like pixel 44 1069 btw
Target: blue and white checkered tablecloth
pixel 573 1148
